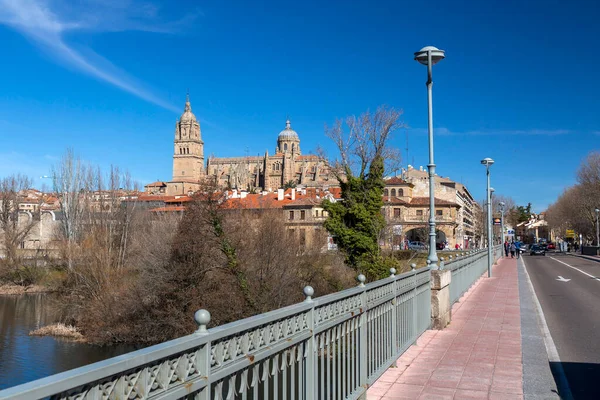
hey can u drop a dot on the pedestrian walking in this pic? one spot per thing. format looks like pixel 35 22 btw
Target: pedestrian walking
pixel 518 249
pixel 513 247
pixel 506 248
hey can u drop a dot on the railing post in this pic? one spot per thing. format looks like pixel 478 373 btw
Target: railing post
pixel 310 385
pixel 202 318
pixel 364 342
pixel 414 303
pixel 394 341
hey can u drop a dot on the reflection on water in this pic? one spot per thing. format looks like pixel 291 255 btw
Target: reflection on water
pixel 25 358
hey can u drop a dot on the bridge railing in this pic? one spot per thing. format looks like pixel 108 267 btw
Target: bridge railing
pixel 467 269
pixel 331 347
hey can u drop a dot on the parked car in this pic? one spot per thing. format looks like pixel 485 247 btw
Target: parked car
pixel 536 249
pixel 551 246
pixel 417 246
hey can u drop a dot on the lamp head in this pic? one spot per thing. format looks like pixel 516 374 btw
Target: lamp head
pixel 597 210
pixel 436 55
pixel 487 161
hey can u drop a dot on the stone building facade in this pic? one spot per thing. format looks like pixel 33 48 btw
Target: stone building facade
pixel 271 172
pixel 268 172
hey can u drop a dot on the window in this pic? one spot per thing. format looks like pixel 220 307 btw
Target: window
pixel 396 213
pixel 302 215
pixel 400 192
pixel 291 215
pixel 419 213
pixel 317 213
pixel 285 147
pixel 439 212
pixel 386 192
pixel 302 237
pixel 393 193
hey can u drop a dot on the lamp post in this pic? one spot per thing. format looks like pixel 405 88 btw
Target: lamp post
pixel 429 56
pixel 492 190
pixel 597 229
pixel 502 204
pixel 488 163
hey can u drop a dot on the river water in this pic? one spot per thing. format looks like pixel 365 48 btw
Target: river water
pixel 24 358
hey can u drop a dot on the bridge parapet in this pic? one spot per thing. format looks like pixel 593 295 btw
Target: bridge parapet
pixel 326 347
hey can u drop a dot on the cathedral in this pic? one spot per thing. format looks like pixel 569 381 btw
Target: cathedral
pixel 286 166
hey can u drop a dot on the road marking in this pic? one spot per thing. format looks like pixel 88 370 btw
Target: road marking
pixel 561 378
pixel 560 278
pixel 577 269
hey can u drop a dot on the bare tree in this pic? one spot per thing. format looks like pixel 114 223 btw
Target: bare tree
pixel 364 139
pixel 13 228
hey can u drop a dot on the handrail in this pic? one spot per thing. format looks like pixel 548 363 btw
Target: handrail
pixel 328 347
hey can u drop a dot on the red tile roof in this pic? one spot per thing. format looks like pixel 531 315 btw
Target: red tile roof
pixel 393 200
pixel 156 184
pixel 424 201
pixel 395 181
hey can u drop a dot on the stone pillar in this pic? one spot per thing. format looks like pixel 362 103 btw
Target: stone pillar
pixel 441 309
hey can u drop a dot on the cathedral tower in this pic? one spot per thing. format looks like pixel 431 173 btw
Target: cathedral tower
pixel 188 157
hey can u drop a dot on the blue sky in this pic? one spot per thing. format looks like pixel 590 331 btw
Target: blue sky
pixel 108 78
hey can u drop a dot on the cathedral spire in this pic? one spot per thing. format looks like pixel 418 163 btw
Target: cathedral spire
pixel 188 106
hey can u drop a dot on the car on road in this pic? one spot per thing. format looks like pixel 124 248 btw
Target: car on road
pixel 536 249
pixel 551 246
pixel 417 246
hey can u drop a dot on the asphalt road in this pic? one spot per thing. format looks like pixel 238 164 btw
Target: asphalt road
pixel 572 312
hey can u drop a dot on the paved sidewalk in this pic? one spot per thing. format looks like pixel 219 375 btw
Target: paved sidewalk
pixel 478 356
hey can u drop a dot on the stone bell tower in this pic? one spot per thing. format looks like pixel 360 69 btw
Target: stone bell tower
pixel 188 157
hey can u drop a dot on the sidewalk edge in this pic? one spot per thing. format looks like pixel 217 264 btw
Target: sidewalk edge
pixel 543 375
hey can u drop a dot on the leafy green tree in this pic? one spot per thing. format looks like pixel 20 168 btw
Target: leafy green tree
pixel 356 222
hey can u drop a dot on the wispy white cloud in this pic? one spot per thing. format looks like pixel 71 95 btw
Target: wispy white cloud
pixel 497 132
pixel 47 27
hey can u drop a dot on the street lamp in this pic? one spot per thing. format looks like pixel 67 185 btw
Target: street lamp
pixel 429 56
pixel 597 230
pixel 492 190
pixel 488 162
pixel 502 204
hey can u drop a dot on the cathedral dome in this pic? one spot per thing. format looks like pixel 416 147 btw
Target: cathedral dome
pixel 288 132
pixel 188 115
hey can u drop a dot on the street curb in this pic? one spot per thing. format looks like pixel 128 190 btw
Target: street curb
pixel 586 257
pixel 538 380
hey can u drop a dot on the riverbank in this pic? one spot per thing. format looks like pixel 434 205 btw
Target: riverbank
pixel 9 289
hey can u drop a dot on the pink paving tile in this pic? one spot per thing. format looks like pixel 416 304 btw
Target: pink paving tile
pixel 461 394
pixel 405 390
pixel 505 396
pixel 437 393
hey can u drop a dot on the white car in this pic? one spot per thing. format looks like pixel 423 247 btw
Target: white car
pixel 417 246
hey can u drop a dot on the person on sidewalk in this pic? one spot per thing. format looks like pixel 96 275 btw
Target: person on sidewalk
pixel 513 247
pixel 506 248
pixel 518 249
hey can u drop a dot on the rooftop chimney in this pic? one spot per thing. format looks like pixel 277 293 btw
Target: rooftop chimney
pixel 421 168
pixel 293 194
pixel 279 194
pixel 243 194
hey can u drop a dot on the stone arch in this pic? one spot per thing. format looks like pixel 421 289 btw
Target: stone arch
pixel 421 234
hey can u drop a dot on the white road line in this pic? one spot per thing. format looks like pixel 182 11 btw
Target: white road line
pixel 561 378
pixel 570 266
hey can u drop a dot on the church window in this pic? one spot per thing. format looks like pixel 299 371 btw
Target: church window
pixel 291 215
pixel 180 150
pixel 400 192
pixel 420 213
pixel 396 213
pixel 439 212
pixel 386 192
pixel 285 147
pixel 302 215
pixel 393 193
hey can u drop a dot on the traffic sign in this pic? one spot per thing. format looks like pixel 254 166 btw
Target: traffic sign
pixel 570 233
